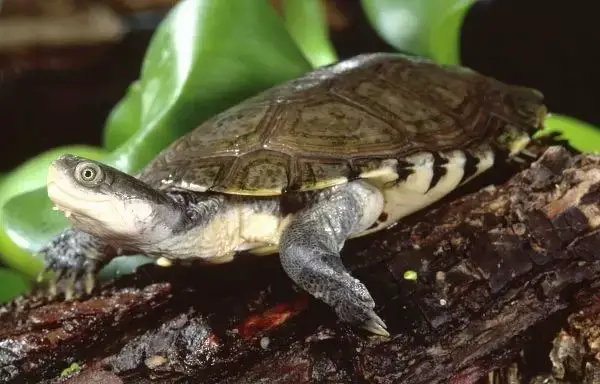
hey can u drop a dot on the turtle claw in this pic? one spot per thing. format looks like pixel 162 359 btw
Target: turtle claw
pixel 52 289
pixel 72 283
pixel 353 303
pixel 69 288
pixel 89 283
pixel 376 325
pixel 40 277
pixel 529 154
pixel 74 261
pixel 54 281
pixel 69 294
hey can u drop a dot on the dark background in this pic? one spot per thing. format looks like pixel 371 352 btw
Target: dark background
pixel 550 45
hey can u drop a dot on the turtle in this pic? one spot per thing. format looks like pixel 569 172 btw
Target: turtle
pixel 343 151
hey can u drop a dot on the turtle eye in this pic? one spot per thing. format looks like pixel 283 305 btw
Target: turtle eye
pixel 89 174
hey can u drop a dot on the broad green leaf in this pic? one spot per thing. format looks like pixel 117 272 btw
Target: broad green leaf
pixel 582 136
pixel 444 37
pixel 12 284
pixel 123 265
pixel 28 222
pixel 426 28
pixel 306 21
pixel 124 119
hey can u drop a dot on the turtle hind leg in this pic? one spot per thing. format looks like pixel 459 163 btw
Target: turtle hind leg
pixel 75 257
pixel 309 252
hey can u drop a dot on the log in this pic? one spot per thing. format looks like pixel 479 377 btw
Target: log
pixel 462 286
pixel 575 354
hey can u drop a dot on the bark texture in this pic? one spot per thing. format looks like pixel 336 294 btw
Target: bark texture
pixel 462 287
pixel 575 354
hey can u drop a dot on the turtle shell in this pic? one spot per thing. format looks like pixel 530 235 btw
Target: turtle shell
pixel 342 122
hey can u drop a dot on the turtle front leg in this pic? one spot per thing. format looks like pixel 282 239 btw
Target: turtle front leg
pixel 75 257
pixel 309 251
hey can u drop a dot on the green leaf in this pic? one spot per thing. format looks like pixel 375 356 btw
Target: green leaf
pixel 28 222
pixel 445 34
pixel 306 21
pixel 124 119
pixel 12 284
pixel 206 56
pixel 427 28
pixel 581 135
pixel 123 265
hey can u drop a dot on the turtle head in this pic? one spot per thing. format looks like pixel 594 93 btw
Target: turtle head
pixel 525 105
pixel 525 112
pixel 106 202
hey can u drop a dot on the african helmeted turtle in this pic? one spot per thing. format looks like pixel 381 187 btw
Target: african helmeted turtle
pixel 357 146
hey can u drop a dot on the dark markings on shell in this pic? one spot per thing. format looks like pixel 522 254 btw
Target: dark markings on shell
pixel 470 167
pixel 293 202
pixel 354 173
pixel 404 169
pixel 383 217
pixel 439 169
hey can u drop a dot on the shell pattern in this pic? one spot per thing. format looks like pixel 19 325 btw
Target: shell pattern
pixel 338 123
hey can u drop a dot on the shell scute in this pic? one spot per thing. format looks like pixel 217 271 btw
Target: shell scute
pixel 260 172
pixel 332 128
pixel 319 173
pixel 238 130
pixel 445 85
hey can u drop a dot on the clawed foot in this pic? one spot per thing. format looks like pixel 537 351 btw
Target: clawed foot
pixel 376 325
pixel 353 303
pixel 72 256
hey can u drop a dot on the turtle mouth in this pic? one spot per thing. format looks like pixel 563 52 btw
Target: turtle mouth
pixel 68 203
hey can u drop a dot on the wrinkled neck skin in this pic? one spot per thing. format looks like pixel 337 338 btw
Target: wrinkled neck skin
pixel 206 228
pixel 154 220
pixel 133 223
pixel 209 227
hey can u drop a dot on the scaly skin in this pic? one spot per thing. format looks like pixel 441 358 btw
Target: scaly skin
pixel 75 257
pixel 309 252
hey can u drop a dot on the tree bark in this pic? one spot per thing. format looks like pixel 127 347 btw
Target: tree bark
pixel 575 354
pixel 462 286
